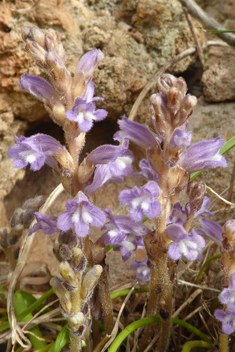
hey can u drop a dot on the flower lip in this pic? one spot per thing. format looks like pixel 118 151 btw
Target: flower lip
pixel 135 132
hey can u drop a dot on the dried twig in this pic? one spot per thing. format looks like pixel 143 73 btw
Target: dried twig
pixel 221 198
pixel 195 37
pixel 155 78
pixel 187 302
pixel 29 9
pixel 207 21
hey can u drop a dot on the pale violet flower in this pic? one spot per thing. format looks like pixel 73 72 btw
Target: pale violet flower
pixel 203 155
pixel 35 151
pixel 47 224
pixel 143 272
pixel 184 244
pixel 83 111
pixel 112 163
pixel 80 213
pixel 143 201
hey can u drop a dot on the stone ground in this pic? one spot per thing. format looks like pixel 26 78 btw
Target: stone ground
pixel 137 38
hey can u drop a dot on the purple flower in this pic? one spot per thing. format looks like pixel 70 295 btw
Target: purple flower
pixel 47 224
pixel 40 88
pixel 227 319
pixel 83 111
pixel 124 233
pixel 129 244
pixel 211 229
pixel 135 132
pixel 178 215
pixel 185 244
pixel 180 139
pixel 143 201
pixel 80 214
pixel 143 272
pixel 112 163
pixel 147 171
pixel 89 62
pixel 203 155
pixel 227 296
pixel 35 150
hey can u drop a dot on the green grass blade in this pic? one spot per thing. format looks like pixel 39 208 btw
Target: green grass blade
pixel 129 329
pixel 203 268
pixel 126 291
pixel 191 328
pixel 61 340
pixel 195 344
pixel 215 31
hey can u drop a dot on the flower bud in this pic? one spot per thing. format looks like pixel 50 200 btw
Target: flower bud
pixel 60 76
pixel 66 304
pixel 69 238
pixel 68 273
pixel 3 238
pixel 37 52
pixel 90 280
pixel 15 234
pixel 52 42
pixel 160 120
pixel 17 217
pixel 30 207
pixel 79 261
pixel 76 320
pixel 58 114
pixel 89 62
pixel 65 252
pixel 34 34
pixel 186 108
pixel 196 192
pixel 229 232
pixel 57 287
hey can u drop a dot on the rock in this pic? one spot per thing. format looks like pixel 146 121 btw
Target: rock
pixel 218 78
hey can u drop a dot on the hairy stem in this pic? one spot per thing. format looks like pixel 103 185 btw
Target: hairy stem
pixel 106 301
pixel 223 345
pixel 152 306
pixel 75 341
pixel 165 300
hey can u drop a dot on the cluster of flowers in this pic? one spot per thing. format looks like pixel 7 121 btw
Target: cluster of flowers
pixel 169 163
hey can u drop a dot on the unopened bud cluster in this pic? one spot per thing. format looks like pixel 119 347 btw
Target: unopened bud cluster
pixel 20 220
pixel 79 281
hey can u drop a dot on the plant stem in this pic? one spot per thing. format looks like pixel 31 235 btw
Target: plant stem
pixel 152 302
pixel 223 345
pixel 75 341
pixel 106 301
pixel 165 300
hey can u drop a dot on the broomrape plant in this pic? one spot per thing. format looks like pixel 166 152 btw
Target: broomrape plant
pixel 83 290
